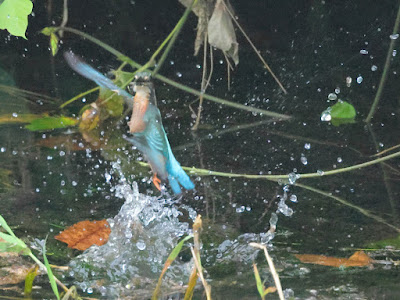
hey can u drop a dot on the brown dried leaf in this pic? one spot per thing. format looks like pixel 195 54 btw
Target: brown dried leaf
pixel 84 234
pixel 203 10
pixel 358 259
pixel 221 33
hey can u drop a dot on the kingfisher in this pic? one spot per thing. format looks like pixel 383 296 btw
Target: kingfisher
pixel 147 132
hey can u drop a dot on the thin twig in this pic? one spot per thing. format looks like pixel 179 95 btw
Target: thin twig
pixel 175 84
pixel 344 202
pixel 65 18
pixel 203 84
pixel 204 172
pixel 176 32
pixel 255 49
pixel 385 70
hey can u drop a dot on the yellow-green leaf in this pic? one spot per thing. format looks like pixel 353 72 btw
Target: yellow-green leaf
pixel 168 262
pixel 48 30
pixel 29 281
pixel 52 279
pixel 49 123
pixel 14 16
pixel 53 43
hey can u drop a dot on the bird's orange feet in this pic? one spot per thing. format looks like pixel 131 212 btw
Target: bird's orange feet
pixel 157 182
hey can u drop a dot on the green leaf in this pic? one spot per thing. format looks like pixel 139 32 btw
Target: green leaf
pixel 14 16
pixel 260 285
pixel 4 224
pixel 343 110
pixel 48 30
pixel 50 273
pixel 168 262
pixel 13 244
pixel 340 113
pixel 49 123
pixel 394 242
pixel 29 281
pixel 53 43
pixel 112 102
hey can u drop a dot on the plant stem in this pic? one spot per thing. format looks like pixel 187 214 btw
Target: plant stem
pixel 271 268
pixel 344 202
pixel 204 172
pixel 177 85
pixel 385 70
pixel 254 48
pixel 43 267
pixel 175 32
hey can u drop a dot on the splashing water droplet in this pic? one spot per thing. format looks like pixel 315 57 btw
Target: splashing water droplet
pixel 326 115
pixel 303 159
pixel 332 96
pixel 320 172
pixel 374 68
pixel 307 146
pixel 292 178
pixel 141 245
pixel 394 36
pixel 293 198
pixel 359 79
pixel 363 52
pixel 348 81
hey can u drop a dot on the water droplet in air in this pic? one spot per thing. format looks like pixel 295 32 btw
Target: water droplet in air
pixel 394 52
pixel 394 36
pixel 303 159
pixel 348 81
pixel 292 178
pixel 332 96
pixel 374 68
pixel 240 209
pixel 179 74
pixel 293 198
pixel 320 172
pixel 326 115
pixel 339 159
pixel 307 146
pixel 364 52
pixel 140 245
pixel 15 115
pixel 359 79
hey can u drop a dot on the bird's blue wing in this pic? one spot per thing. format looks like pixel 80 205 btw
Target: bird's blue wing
pixel 79 66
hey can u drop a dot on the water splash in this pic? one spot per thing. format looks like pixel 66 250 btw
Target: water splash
pixel 142 236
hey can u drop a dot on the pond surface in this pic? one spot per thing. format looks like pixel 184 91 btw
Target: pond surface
pixel 56 178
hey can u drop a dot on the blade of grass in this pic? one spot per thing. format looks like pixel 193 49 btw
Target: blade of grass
pixel 271 268
pixel 191 285
pixel 29 281
pixel 260 285
pixel 199 268
pixel 168 262
pixel 50 272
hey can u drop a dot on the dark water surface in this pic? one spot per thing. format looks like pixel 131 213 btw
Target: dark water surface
pixel 312 46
